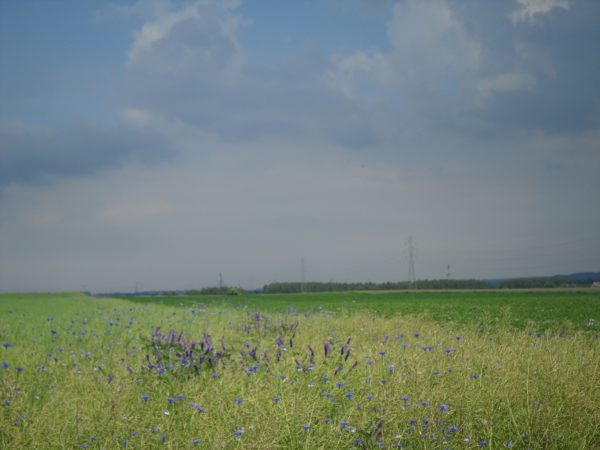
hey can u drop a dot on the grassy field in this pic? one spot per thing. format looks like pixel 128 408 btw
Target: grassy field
pixel 348 370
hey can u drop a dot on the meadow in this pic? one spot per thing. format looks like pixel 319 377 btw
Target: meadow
pixel 337 370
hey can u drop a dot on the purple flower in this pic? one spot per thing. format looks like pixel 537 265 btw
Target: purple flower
pixel 327 420
pixel 238 400
pixel 276 399
pixel 8 345
pixel 349 394
pixel 214 375
pixel 424 404
pixel 170 400
pixel 452 429
pixel 405 398
pixel 238 433
pixel 443 407
pixel 482 443
pixel 369 398
pixel 344 424
pixel 382 353
pixel 20 369
pixel 145 397
pixel 306 427
pixel 5 365
pixel 508 444
pixel 195 442
pixel 180 397
pixel 53 332
pixel 475 376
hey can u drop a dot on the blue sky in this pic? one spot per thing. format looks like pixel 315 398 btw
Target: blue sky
pixel 162 142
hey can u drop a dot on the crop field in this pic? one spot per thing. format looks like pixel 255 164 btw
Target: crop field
pixel 416 370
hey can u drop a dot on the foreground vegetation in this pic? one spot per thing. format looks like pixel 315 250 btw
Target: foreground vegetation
pixel 313 371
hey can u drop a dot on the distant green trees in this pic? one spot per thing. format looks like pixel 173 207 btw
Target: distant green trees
pixel 332 286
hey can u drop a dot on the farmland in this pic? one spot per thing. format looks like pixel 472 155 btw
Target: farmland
pixel 336 370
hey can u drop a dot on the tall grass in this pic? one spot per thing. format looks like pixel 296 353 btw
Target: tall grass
pixel 99 373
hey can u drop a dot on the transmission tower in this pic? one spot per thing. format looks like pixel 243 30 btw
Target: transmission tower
pixel 303 276
pixel 448 273
pixel 412 279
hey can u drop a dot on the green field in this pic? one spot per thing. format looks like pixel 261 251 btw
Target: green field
pixel 337 370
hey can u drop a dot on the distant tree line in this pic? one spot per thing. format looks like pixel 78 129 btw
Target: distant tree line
pixel 332 286
pixel 291 287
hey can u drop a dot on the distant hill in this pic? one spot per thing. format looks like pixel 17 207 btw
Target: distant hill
pixel 579 278
pixel 582 276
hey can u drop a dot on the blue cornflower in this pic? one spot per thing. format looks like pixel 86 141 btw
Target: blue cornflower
pixel 427 348
pixel 170 400
pixel 306 427
pixel 5 365
pixel 238 433
pixel 195 442
pixel 180 397
pixel 200 409
pixel 417 334
pixel 145 397
pixel 482 443
pixel 8 345
pixel 214 375
pixel 382 353
pixel 327 420
pixel 508 444
pixel 276 399
pixel 238 400
pixel 475 376
pixel 424 404
pixel 20 369
pixel 53 332
pixel 369 398
pixel 349 394
pixel 339 384
pixel 344 424
pixel 405 398
pixel 443 407
pixel 452 429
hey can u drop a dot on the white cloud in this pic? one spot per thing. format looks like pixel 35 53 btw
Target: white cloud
pixel 428 44
pixel 530 9
pixel 507 82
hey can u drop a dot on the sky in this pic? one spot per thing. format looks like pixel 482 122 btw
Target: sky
pixel 155 144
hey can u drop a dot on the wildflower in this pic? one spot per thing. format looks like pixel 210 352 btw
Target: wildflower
pixel 8 345
pixel 214 375
pixel 238 400
pixel 482 443
pixel 452 429
pixel 306 427
pixel 417 334
pixel 344 424
pixel 369 398
pixel 53 332
pixel 180 397
pixel 238 433
pixel 475 376
pixel 145 397
pixel 405 398
pixel 424 404
pixel 195 442
pixel 508 444
pixel 443 407
pixel 327 420
pixel 382 353
pixel 427 348
pixel 200 409
pixel 5 365
pixel 170 400
pixel 276 399
pixel 349 394
pixel 20 369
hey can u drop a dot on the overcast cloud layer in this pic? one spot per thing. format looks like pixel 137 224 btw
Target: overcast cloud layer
pixel 156 144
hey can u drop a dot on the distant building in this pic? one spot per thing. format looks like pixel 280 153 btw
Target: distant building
pixel 596 284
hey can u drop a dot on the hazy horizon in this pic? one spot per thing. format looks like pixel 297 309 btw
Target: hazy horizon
pixel 159 143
